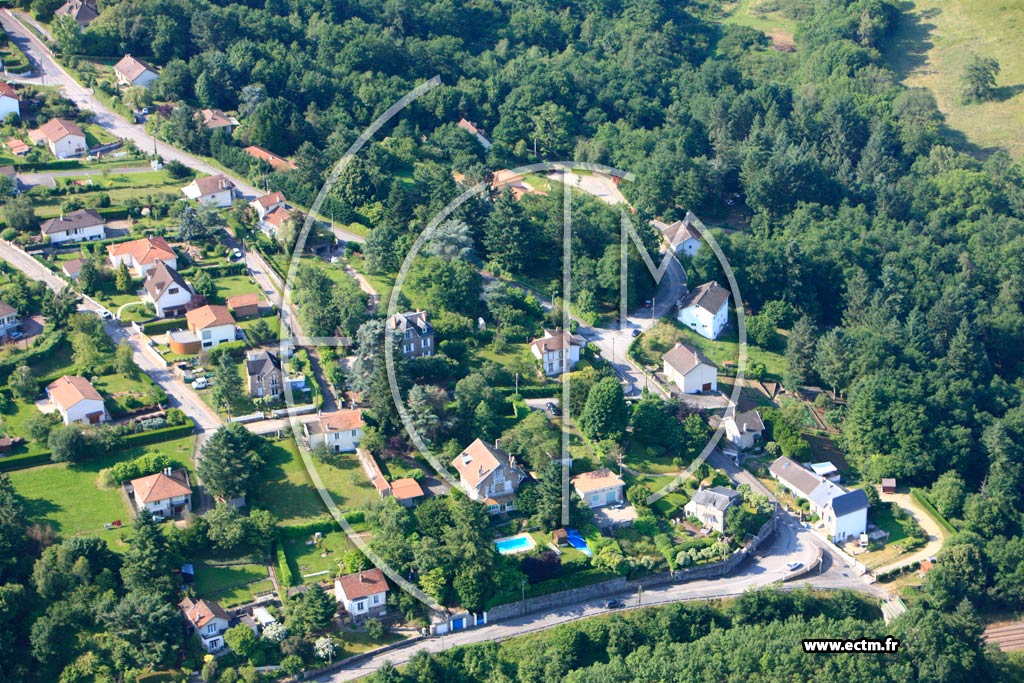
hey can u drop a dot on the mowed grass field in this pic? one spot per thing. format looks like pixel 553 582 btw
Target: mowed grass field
pixel 67 498
pixel 936 38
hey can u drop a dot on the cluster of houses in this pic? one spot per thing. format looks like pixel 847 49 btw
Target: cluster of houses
pixel 843 513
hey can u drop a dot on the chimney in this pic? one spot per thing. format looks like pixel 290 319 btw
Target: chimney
pixel 497 443
pixel 362 578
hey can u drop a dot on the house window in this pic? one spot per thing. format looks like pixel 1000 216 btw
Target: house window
pixel 172 290
pixel 376 599
pixel 211 628
pixel 359 605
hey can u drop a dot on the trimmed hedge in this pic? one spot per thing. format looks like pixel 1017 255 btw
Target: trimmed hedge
pixel 548 391
pixel 284 572
pixel 225 270
pixel 23 462
pixel 159 435
pixel 165 325
pixel 921 499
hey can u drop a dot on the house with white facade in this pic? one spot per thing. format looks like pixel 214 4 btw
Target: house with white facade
pixel 554 349
pixel 476 131
pixel 710 506
pixel 167 493
pixel 77 400
pixel 744 429
pixel 341 431
pixel 64 138
pixel 705 310
pixel 212 325
pixel 362 595
pixel 489 475
pixel 212 190
pixel 599 488
pixel 681 236
pixel 267 203
pixel 133 72
pixel 167 291
pixel 689 369
pixel 10 103
pixel 142 255
pixel 842 513
pixel 82 11
pixel 82 225
pixel 10 321
pixel 208 620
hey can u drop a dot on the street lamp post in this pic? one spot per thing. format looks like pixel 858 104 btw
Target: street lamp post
pixel 523 587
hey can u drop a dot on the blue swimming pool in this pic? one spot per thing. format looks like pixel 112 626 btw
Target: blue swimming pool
pixel 514 544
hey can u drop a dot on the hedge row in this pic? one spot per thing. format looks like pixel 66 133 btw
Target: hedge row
pixel 284 572
pixel 225 270
pixel 159 435
pixel 23 462
pixel 921 499
pixel 165 325
pixel 549 391
pixel 41 346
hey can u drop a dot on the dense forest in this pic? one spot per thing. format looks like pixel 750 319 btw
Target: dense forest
pixel 756 637
pixel 892 259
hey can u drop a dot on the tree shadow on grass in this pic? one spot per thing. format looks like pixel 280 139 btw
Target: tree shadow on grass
pixel 41 511
pixel 906 49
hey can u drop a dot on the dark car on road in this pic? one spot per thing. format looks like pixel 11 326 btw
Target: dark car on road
pixel 614 604
pixel 552 408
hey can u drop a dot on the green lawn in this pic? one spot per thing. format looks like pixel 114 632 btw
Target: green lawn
pixel 758 14
pixel 935 39
pixel 96 135
pixel 308 561
pixel 288 492
pixel 651 345
pixel 359 641
pixel 14 425
pixel 67 497
pixel 233 286
pixel 231 584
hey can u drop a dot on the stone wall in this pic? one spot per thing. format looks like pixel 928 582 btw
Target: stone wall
pixel 620 585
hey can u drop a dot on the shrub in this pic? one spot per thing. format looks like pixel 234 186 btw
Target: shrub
pixel 375 629
pixel 139 467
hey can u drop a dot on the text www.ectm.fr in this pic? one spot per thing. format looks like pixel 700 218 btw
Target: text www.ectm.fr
pixel 887 644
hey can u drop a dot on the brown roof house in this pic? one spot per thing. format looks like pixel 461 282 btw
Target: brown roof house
pixel 682 237
pixel 77 400
pixel 554 349
pixel 82 225
pixel 415 332
pixel 10 103
pixel 82 11
pixel 599 488
pixel 489 475
pixel 689 369
pixel 362 595
pixel 264 204
pixel 244 305
pixel 64 138
pixel 167 493
pixel 212 190
pixel 475 131
pixel 341 431
pixel 705 310
pixel 407 491
pixel 215 119
pixel 134 72
pixel 208 620
pixel 167 291
pixel 213 325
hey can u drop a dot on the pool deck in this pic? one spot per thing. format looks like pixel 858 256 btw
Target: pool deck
pixel 513 551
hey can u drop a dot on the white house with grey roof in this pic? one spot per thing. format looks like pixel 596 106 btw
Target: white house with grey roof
pixel 744 429
pixel 843 513
pixel 212 190
pixel 705 310
pixel 76 226
pixel 710 506
pixel 557 351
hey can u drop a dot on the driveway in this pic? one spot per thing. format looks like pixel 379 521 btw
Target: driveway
pixel 936 535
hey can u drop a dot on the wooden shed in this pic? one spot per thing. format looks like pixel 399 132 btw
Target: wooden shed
pixel 889 485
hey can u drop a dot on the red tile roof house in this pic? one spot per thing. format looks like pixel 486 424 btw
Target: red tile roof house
pixel 142 255
pixel 213 325
pixel 166 493
pixel 64 138
pixel 215 118
pixel 362 595
pixel 276 162
pixel 489 475
pixel 208 620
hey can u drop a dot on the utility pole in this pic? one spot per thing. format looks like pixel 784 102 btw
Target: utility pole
pixel 639 595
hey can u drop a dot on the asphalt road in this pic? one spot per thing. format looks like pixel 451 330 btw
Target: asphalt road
pixel 51 73
pixel 788 545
